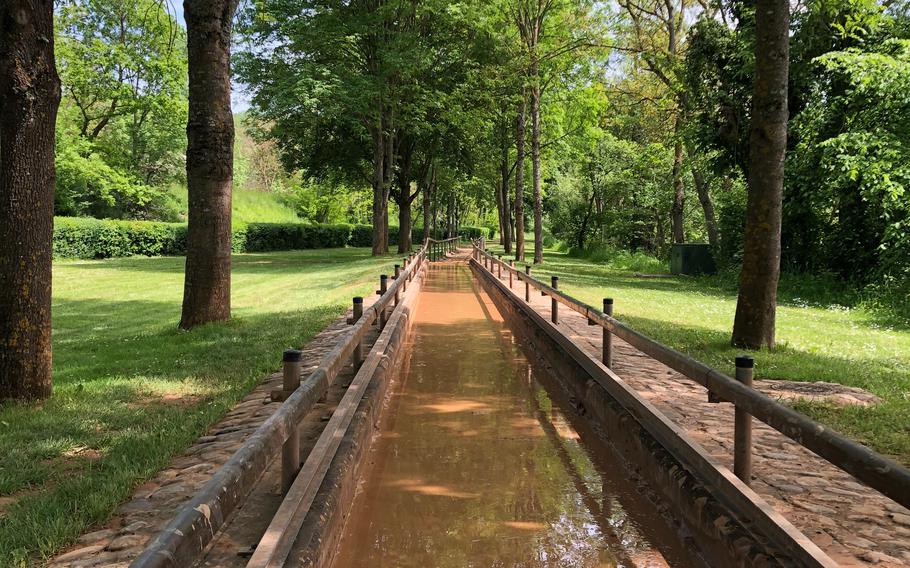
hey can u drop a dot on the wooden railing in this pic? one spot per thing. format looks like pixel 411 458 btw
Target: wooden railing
pixel 194 526
pixel 439 249
pixel 882 474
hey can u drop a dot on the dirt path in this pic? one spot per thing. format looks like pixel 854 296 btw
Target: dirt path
pixel 154 503
pixel 855 525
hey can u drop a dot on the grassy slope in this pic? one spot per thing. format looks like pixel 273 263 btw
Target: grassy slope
pixel 131 390
pixel 248 206
pixel 819 339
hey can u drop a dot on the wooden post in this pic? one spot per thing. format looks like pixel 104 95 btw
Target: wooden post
pixel 607 336
pixel 357 357
pixel 499 266
pixel 527 285
pixel 383 288
pixel 290 451
pixel 554 305
pixel 397 276
pixel 511 267
pixel 742 433
pixel 410 262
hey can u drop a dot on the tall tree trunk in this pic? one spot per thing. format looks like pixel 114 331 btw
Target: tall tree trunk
pixel 404 225
pixel 29 97
pixel 403 200
pixel 387 184
pixel 520 181
pixel 704 197
pixel 500 213
pixel 753 326
pixel 378 189
pixel 504 181
pixel 582 232
pixel 209 162
pixel 679 192
pixel 535 160
pixel 427 194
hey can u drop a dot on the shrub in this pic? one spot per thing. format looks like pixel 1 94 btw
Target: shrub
pixel 95 238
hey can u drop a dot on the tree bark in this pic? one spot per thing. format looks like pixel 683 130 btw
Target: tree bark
pixel 704 197
pixel 378 182
pixel 403 199
pixel 754 324
pixel 499 213
pixel 677 212
pixel 404 225
pixel 504 180
pixel 29 97
pixel 535 160
pixel 520 181
pixel 427 195
pixel 387 182
pixel 209 162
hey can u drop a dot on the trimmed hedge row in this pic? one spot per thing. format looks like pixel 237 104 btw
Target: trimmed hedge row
pixel 105 238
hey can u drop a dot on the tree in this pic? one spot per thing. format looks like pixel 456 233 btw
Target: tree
pixel 121 130
pixel 29 97
pixel 209 162
pixel 754 324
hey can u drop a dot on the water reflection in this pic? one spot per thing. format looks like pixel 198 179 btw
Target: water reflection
pixel 477 466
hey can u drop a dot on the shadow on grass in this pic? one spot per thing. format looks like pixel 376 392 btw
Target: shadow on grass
pixel 128 396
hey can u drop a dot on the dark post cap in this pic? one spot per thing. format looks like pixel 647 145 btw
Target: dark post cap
pixel 745 362
pixel 292 356
pixel 383 276
pixel 608 301
pixel 554 278
pixel 358 300
pixel 397 266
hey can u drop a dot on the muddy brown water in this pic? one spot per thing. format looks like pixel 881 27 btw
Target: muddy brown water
pixel 477 464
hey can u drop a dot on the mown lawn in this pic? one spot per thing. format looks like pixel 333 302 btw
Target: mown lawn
pixel 131 390
pixel 821 336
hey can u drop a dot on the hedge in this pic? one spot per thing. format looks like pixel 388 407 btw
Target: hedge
pixel 105 238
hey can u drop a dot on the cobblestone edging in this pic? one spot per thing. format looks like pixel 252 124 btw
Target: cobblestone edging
pixel 855 525
pixel 155 502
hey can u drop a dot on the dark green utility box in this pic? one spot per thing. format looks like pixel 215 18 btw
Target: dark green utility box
pixel 692 259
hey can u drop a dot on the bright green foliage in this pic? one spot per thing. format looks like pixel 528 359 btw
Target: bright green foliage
pixel 131 390
pixel 855 147
pixel 621 191
pixel 121 130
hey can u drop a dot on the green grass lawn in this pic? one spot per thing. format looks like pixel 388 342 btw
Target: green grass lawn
pixel 821 337
pixel 131 390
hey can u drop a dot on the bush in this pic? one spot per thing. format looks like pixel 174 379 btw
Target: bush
pixel 96 238
pixel 262 237
pixel 619 259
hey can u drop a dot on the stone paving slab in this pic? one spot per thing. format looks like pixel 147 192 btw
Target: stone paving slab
pixel 155 502
pixel 852 523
